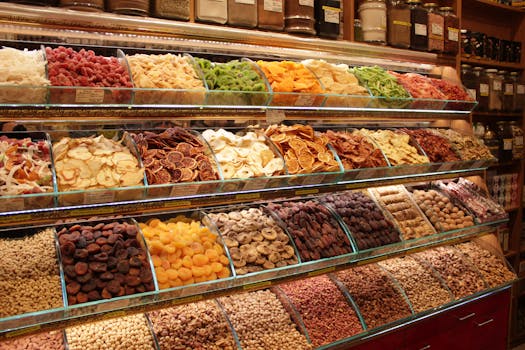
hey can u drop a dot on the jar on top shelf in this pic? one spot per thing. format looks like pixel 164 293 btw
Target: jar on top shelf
pixel 242 13
pixel 495 90
pixel 328 18
pixel 215 11
pixel 270 14
pixel 469 79
pixel 174 9
pixel 507 92
pixel 129 7
pixel 519 97
pixel 506 138
pixel 483 89
pixel 451 31
pixel 373 20
pixel 419 23
pixel 83 5
pixel 299 16
pixel 435 27
pixel 398 28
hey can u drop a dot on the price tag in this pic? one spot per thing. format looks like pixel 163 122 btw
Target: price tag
pixel 437 29
pixel 22 331
pixel 247 2
pixel 258 285
pixel 309 3
pixel 273 5
pixel 306 100
pixel 248 196
pixel 453 34
pixel 420 29
pixel 305 192
pixel 509 89
pixel 89 95
pixel 184 190
pixel 12 204
pixel 275 116
pixel 91 212
pixel 472 93
pixel 92 197
pixel 331 14
pixel 520 89
pixel 186 300
pixel 321 272
pixel 177 204
pixel 497 85
pixel 484 90
pixel 115 314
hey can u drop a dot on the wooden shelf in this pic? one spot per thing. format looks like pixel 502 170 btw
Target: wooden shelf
pixel 505 164
pixel 496 5
pixel 490 63
pixel 498 115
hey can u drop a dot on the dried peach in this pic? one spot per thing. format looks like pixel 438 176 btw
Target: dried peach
pixel 225 272
pixel 162 276
pixel 187 251
pixel 177 264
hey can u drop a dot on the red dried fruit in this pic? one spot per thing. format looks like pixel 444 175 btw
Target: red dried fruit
pixel 106 248
pixel 113 238
pixel 101 241
pixel 76 227
pixel 131 230
pixel 74 236
pixel 134 271
pixel 71 299
pixel 81 254
pixel 146 276
pixel 73 288
pixel 100 283
pixel 81 268
pixel 106 294
pixel 97 266
pixel 101 257
pixel 98 226
pixel 89 286
pixel 68 260
pixel 132 280
pixel 135 261
pixel 82 297
pixel 123 266
pixel 67 249
pixel 94 295
pixel 129 290
pixel 106 276
pixel 84 278
pixel 113 287
pixel 69 270
pixel 132 251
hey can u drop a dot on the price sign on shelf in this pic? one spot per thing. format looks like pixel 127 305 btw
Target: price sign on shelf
pixel 275 116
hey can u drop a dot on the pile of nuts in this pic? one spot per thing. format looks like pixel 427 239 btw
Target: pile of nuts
pixel 255 240
pixel 410 221
pixel 184 251
pixel 367 224
pixel 423 288
pixel 261 322
pixel 103 261
pixel 200 325
pixel 326 313
pixel 440 211
pixel 130 333
pixel 378 299
pixel 315 231
pixel 493 268
pixel 461 278
pixel 53 340
pixel 29 274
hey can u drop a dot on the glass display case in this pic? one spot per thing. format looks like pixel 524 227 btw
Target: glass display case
pixel 112 267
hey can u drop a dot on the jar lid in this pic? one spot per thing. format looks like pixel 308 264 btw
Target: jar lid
pixel 446 8
pixel 414 2
pixel 502 72
pixel 430 5
pixel 478 68
pixel 514 73
pixel 491 70
pixel 467 66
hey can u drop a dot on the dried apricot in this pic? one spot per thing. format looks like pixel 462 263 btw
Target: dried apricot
pixel 187 261
pixel 216 267
pixel 172 274
pixel 200 260
pixel 184 274
pixel 212 255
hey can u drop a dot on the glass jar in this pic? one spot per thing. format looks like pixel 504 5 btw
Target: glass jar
pixel 519 100
pixel 215 11
pixel 483 89
pixel 242 13
pixel 436 24
pixel 270 14
pixel 418 29
pixel 466 48
pixel 470 80
pixel 328 18
pixel 506 138
pixel 299 16
pixel 490 139
pixel 508 92
pixel 517 140
pixel 398 24
pixel 83 5
pixel 358 30
pixel 129 7
pixel 373 19
pixel 495 90
pixel 451 31
pixel 479 130
pixel 175 9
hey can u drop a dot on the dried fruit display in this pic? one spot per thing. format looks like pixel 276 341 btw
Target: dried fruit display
pixel 355 151
pixel 365 220
pixel 184 251
pixel 396 146
pixel 378 299
pixel 53 340
pixel 406 214
pixel 254 240
pixel 196 325
pixel 243 155
pixel 95 162
pixel 467 147
pixel 440 211
pixel 326 313
pixel 451 90
pixel 315 231
pixel 26 166
pixel 102 261
pixel 418 86
pixel 303 151
pixel 436 147
pixel 262 322
pixel 29 274
pixel 174 155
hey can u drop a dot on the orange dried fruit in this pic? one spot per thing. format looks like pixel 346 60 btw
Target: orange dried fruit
pixel 212 255
pixel 224 260
pixel 216 267
pixel 156 260
pixel 172 274
pixel 184 274
pixel 175 283
pixel 187 261
pixel 224 273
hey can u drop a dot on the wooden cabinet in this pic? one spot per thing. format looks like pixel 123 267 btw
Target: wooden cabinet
pixel 477 325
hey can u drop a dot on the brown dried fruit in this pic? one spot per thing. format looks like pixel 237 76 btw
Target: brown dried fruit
pixel 84 278
pixel 89 286
pixel 132 281
pixel 73 288
pixel 135 261
pixel 81 254
pixel 81 268
pixel 82 297
pixel 67 249
pixel 123 267
pixel 107 276
pixel 93 248
pixel 106 294
pixel 94 295
pixel 113 287
pixel 97 266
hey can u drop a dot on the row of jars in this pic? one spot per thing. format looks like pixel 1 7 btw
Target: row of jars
pixel 409 24
pixel 504 139
pixel 321 17
pixel 495 90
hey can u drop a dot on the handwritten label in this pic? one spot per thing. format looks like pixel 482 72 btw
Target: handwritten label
pixel 247 2
pixel 177 204
pixel 453 34
pixel 420 29
pixel 332 14
pixel 115 314
pixel 248 196
pixel 258 285
pixel 321 272
pixel 13 204
pixel 186 300
pixel 309 3
pixel 273 5
pixel 89 96
pixel 275 116
pixel 92 197
pixel 184 190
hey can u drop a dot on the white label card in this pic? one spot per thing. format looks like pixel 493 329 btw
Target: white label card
pixel 521 89
pixel 273 5
pixel 437 29
pixel 247 2
pixel 507 144
pixel 472 93
pixel 420 29
pixel 92 197
pixel 309 3
pixel 453 34
pixel 497 85
pixel 484 89
pixel 331 14
pixel 305 100
pixel 89 96
pixel 509 89
pixel 275 116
